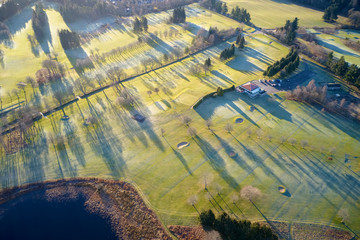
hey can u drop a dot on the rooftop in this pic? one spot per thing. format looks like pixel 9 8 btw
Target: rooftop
pixel 250 86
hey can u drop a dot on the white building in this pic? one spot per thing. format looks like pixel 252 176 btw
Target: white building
pixel 251 89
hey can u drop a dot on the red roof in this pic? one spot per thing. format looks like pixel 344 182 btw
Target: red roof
pixel 250 86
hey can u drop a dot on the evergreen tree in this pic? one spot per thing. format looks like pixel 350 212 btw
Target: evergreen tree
pixel 137 25
pixel 242 42
pixel 144 24
pixel 330 59
pixel 39 20
pixel 341 67
pixel 208 62
pixel 238 39
pixel 69 39
pixel 352 74
pixel 224 9
pixel 179 15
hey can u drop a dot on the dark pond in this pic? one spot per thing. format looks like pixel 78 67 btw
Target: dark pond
pixel 32 217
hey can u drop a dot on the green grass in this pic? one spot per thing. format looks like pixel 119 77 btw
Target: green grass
pixel 121 148
pixel 334 42
pixel 271 14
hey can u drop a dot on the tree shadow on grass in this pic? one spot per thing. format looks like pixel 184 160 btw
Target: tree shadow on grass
pixel 34 157
pixel 74 142
pixel 208 107
pixel 273 227
pixel 106 145
pixel 216 161
pixel 183 161
pixel 242 63
pixel 47 39
pixel 148 128
pixel 270 105
pixel 222 76
pixel 18 21
pixel 242 163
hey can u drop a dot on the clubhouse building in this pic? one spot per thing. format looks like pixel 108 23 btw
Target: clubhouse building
pixel 250 88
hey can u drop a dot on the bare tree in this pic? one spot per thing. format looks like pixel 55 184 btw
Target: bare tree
pixel 32 82
pixel 218 188
pixel 229 127
pixel 186 120
pixel 304 143
pixel 332 150
pixel 156 90
pixel 282 139
pixel 162 132
pixel 83 85
pixel 292 141
pixel 59 95
pixel 344 214
pixel 22 85
pixel 149 93
pixel 234 198
pixel 192 200
pixel 16 93
pixel 249 132
pixel 209 123
pixel 259 133
pixel 250 193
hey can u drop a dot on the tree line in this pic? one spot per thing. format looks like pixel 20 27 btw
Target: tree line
pixel 68 39
pixel 232 229
pixel 289 63
pixel 140 25
pixel 11 7
pixel 315 95
pixel 228 52
pixel 290 30
pixel 39 20
pixel 216 6
pixel 240 41
pixel 240 14
pixel 179 15
pixel 341 68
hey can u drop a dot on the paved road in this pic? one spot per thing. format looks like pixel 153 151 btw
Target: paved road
pixel 289 83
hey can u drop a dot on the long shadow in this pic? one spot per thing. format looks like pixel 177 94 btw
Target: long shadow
pixel 242 163
pixel 105 144
pixel 34 155
pixel 18 22
pixel 336 48
pixel 271 106
pixel 47 39
pixel 74 142
pixel 216 162
pixel 242 213
pixel 222 76
pixel 182 160
pixel 269 222
pixel 75 54
pixel 147 126
pixel 64 157
pixel 208 107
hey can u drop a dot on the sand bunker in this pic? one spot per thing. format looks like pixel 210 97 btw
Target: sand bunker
pixel 232 154
pixel 182 145
pixel 239 120
pixel 282 189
